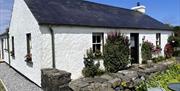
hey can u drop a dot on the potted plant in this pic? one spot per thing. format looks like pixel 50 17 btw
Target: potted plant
pixel 12 54
pixel 28 57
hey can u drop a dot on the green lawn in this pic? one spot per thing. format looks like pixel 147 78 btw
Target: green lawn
pixel 1 86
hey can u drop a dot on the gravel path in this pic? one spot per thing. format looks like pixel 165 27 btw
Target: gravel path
pixel 14 81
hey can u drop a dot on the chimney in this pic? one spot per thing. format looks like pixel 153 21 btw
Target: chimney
pixel 139 8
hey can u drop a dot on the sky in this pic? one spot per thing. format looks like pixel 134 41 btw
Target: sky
pixel 166 11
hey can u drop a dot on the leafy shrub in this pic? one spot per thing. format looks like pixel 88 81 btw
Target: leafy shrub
pixel 146 51
pixel 142 86
pixel 91 69
pixel 176 30
pixel 116 52
pixel 158 59
pixel 100 72
pixel 174 41
pixel 176 53
pixel 162 79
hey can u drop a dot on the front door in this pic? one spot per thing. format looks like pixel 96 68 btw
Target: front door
pixel 134 47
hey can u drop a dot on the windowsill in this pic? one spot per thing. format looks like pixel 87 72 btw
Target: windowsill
pixel 6 50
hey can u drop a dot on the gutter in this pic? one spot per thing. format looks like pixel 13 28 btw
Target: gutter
pixel 53 47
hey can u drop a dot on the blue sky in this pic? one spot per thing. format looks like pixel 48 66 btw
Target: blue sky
pixel 166 11
pixel 5 13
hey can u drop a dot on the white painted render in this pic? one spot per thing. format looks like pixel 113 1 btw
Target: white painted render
pixel 71 43
pixel 23 22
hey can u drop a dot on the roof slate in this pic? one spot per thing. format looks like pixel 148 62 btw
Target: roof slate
pixel 85 13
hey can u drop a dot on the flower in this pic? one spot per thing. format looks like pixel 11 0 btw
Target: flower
pixel 28 57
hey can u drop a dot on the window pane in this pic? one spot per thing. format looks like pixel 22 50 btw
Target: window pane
pixel 98 39
pixel 158 39
pixel 98 47
pixel 28 37
pixel 94 47
pixel 94 39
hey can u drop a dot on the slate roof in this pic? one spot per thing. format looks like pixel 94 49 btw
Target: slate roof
pixel 85 13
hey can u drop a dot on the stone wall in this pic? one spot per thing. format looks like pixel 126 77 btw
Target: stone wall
pixel 132 76
pixel 58 80
pixel 55 80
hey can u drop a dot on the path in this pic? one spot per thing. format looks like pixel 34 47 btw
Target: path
pixel 14 81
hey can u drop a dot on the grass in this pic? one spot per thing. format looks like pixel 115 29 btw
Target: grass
pixel 162 79
pixel 1 86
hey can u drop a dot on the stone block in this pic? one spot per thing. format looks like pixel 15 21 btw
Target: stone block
pixel 53 79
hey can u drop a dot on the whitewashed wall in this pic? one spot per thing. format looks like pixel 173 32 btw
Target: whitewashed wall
pixel 23 22
pixel 72 42
pixel 46 61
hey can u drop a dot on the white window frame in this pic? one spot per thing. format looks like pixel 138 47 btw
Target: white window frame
pixel 158 39
pixel 98 43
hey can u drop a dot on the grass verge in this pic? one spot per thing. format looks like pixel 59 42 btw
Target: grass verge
pixel 2 88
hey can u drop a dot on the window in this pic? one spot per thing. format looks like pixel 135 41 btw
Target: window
pixel 158 39
pixel 12 52
pixel 2 48
pixel 97 39
pixel 28 38
pixel 5 44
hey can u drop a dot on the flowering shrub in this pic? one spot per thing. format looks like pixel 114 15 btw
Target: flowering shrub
pixel 168 50
pixel 157 50
pixel 147 50
pixel 12 54
pixel 116 52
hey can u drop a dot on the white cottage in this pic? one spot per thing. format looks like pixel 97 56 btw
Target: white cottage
pixel 57 33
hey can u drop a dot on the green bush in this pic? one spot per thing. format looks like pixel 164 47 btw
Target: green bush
pixel 176 53
pixel 158 59
pixel 116 52
pixel 100 72
pixel 91 69
pixel 162 79
pixel 146 51
pixel 174 40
